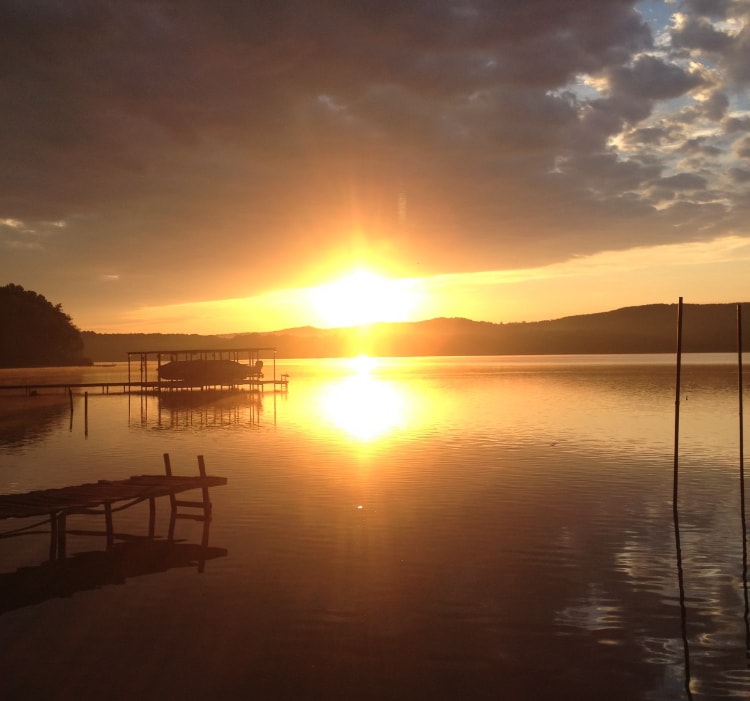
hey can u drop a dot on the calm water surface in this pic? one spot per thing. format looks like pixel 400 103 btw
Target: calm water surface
pixel 434 528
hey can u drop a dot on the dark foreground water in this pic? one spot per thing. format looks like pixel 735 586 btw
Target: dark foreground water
pixel 494 528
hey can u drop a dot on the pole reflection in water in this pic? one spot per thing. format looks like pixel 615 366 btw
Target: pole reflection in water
pixel 683 608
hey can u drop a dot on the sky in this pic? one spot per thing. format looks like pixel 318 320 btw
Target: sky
pixel 216 166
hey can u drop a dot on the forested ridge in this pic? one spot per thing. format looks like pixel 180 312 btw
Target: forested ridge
pixel 642 329
pixel 34 332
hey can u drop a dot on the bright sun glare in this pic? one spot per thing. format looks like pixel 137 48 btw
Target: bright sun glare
pixel 363 407
pixel 363 297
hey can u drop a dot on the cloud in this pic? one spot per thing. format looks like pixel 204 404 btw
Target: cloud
pixel 699 33
pixel 740 175
pixel 650 78
pixel 742 147
pixel 236 144
pixel 724 249
pixel 683 181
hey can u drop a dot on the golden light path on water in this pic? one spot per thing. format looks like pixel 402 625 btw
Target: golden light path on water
pixel 364 407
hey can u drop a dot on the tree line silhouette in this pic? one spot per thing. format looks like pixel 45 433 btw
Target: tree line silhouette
pixel 35 333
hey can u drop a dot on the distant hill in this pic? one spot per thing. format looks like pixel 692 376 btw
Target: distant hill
pixel 651 328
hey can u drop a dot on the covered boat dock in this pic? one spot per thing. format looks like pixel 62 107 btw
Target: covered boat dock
pixel 254 368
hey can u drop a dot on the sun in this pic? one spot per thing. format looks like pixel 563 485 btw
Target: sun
pixel 363 297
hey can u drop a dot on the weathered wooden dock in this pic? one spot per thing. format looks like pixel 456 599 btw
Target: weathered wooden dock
pixel 107 497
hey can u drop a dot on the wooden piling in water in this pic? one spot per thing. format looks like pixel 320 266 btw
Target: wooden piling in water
pixel 743 519
pixel 741 417
pixel 675 480
pixel 675 511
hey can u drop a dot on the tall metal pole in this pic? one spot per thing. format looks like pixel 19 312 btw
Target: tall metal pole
pixel 677 407
pixel 742 480
pixel 742 439
pixel 675 511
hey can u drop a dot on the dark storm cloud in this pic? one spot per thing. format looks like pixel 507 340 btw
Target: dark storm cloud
pixel 179 131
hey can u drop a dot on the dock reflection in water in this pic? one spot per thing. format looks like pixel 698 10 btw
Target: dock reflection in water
pixel 89 570
pixel 193 410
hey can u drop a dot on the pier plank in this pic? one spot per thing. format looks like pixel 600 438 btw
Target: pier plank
pixel 86 496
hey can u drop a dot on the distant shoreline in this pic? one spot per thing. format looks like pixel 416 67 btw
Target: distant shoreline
pixel 708 328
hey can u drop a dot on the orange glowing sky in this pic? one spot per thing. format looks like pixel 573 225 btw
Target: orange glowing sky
pixel 207 168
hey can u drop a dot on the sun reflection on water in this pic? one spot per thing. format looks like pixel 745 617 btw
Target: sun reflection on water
pixel 365 407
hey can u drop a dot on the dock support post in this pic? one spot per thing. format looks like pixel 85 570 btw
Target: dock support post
pixel 110 527
pixel 207 516
pixel 151 517
pixel 204 490
pixel 53 535
pixel 204 504
pixel 172 499
pixel 61 528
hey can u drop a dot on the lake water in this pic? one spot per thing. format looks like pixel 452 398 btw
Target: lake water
pixel 431 528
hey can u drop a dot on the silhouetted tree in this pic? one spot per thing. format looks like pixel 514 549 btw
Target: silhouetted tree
pixel 34 332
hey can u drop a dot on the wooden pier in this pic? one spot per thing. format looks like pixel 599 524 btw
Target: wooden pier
pixel 144 373
pixel 107 497
pixel 30 389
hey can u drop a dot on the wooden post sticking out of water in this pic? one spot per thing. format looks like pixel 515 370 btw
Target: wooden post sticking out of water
pixel 86 413
pixel 742 480
pixel 675 480
pixel 742 439
pixel 675 511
